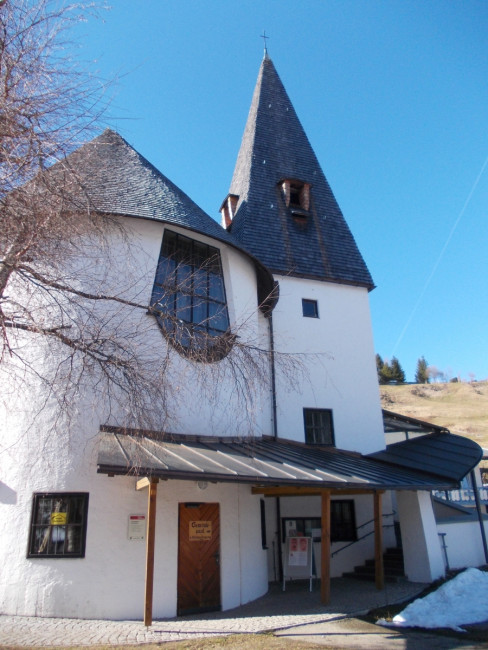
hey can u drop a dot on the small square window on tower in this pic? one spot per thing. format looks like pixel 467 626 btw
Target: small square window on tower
pixel 296 195
pixel 310 308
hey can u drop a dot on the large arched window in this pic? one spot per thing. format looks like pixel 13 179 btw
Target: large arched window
pixel 188 298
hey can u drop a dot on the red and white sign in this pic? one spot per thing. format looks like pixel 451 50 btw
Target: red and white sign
pixel 137 527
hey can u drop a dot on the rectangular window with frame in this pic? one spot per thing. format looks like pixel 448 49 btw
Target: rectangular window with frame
pixel 310 308
pixel 342 523
pixel 58 525
pixel 319 429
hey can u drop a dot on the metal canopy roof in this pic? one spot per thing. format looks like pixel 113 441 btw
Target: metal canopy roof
pixel 393 422
pixel 444 454
pixel 260 461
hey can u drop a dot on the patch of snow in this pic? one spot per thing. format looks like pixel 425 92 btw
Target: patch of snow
pixel 460 601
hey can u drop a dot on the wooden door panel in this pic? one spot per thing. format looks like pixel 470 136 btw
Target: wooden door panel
pixel 198 557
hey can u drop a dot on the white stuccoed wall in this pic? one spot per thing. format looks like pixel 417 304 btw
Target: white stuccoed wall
pixel 340 366
pixel 109 581
pixel 421 548
pixel 40 453
pixel 464 542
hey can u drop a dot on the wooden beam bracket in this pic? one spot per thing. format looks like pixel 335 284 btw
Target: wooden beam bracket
pixel 145 482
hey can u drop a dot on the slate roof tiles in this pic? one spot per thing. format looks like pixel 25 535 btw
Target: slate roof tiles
pixel 117 180
pixel 275 147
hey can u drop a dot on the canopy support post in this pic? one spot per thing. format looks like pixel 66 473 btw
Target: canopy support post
pixel 378 542
pixel 325 548
pixel 480 515
pixel 150 541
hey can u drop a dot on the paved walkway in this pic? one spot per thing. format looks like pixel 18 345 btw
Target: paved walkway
pixel 351 633
pixel 276 610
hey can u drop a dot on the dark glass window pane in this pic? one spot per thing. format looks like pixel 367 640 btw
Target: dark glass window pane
pixel 200 254
pixel 184 274
pixel 216 287
pixel 163 301
pixel 197 299
pixel 310 308
pixel 76 511
pixel 183 307
pixel 200 314
pixel 200 282
pixel 165 274
pixel 183 249
pixel 44 512
pixel 73 539
pixel 217 316
pixel 318 426
pixel 41 537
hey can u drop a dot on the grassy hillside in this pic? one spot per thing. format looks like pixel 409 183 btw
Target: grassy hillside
pixel 461 407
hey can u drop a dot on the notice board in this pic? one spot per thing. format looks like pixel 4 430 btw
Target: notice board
pixel 297 561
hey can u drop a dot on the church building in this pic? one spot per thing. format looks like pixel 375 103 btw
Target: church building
pixel 269 461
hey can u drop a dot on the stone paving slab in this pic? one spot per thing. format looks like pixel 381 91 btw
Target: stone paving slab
pixel 276 610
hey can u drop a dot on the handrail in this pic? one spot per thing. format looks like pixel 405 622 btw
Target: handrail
pixel 371 532
pixel 370 521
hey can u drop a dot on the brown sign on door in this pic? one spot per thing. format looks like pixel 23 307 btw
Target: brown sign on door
pixel 200 530
pixel 198 558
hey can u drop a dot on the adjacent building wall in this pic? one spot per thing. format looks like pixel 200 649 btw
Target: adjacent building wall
pixel 463 542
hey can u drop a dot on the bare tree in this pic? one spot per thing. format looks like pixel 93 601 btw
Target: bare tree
pixel 46 105
pixel 65 320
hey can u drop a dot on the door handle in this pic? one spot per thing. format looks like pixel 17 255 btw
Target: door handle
pixel 217 558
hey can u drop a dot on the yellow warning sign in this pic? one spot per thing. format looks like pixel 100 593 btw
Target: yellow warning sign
pixel 58 518
pixel 200 531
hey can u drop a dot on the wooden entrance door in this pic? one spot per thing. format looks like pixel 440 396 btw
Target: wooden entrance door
pixel 198 558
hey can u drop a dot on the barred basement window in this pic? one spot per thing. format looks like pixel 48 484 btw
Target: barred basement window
pixel 58 525
pixel 189 300
pixel 318 426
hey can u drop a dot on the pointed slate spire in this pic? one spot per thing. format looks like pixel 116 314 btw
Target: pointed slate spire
pixel 311 240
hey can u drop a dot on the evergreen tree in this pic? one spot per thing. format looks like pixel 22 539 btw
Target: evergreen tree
pixel 385 373
pixel 422 373
pixel 379 366
pixel 397 373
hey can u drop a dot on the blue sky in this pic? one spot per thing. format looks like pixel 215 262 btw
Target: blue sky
pixel 394 98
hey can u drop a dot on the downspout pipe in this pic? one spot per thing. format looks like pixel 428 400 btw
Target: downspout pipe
pixel 275 436
pixel 273 376
pixel 480 514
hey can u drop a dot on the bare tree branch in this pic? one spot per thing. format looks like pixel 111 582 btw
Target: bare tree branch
pixel 67 321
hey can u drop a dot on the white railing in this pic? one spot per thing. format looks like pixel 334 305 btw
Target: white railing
pixel 463 496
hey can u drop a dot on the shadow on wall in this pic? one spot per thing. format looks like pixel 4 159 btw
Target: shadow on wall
pixel 7 495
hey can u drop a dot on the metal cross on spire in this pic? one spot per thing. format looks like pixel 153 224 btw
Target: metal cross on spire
pixel 265 38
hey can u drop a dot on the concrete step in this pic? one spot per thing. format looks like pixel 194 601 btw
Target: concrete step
pixel 393 567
